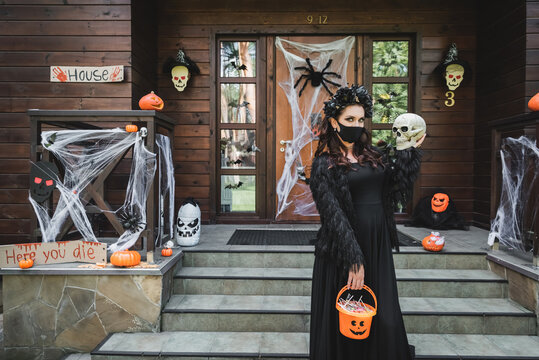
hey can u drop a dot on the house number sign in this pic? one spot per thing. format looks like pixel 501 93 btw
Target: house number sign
pixel 321 19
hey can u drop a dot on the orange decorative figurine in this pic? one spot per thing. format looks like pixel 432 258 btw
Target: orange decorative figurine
pixel 533 104
pixel 433 242
pixel 151 102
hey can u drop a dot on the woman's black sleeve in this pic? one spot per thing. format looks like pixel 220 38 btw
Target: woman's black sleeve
pixel 346 249
pixel 404 165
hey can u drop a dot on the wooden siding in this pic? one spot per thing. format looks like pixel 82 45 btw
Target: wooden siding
pixel 33 36
pixel 193 25
pixel 506 71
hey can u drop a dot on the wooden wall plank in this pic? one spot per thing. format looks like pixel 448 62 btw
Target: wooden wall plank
pixel 61 12
pixel 36 34
pixel 68 43
pixel 55 27
pixel 48 58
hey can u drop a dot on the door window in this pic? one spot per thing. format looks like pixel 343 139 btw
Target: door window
pixel 237 126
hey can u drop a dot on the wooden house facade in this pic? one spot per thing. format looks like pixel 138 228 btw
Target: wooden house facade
pixel 499 41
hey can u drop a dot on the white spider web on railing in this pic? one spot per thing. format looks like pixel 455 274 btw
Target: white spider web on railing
pixel 84 154
pixel 520 170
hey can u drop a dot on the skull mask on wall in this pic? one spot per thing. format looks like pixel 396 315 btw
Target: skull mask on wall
pixel 43 178
pixel 454 74
pixel 408 128
pixel 180 68
pixel 180 77
pixel 188 223
pixel 453 69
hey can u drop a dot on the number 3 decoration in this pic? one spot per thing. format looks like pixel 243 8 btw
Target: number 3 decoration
pixel 453 70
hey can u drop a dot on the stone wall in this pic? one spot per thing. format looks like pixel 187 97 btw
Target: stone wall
pixel 521 288
pixel 48 316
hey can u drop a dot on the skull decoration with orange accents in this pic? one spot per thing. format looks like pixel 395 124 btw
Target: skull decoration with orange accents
pixel 180 68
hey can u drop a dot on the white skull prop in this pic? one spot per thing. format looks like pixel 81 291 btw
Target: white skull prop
pixel 408 128
pixel 454 74
pixel 188 224
pixel 180 77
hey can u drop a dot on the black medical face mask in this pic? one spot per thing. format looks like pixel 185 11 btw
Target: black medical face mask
pixel 350 134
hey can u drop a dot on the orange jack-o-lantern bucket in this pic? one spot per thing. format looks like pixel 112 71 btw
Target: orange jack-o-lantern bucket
pixel 356 324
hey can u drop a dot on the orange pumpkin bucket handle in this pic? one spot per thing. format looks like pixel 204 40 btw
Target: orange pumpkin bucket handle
pixel 356 325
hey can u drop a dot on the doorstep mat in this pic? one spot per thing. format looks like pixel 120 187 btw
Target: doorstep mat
pixel 290 237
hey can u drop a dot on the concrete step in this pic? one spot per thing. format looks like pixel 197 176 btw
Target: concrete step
pixel 281 257
pixel 297 281
pixel 292 314
pixel 274 345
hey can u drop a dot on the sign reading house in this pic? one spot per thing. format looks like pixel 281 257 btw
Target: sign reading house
pixel 53 252
pixel 90 74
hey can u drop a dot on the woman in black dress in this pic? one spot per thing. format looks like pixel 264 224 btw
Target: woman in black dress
pixel 356 187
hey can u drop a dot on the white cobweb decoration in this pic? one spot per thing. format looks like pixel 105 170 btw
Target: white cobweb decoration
pixel 85 154
pixel 166 188
pixel 305 110
pixel 518 207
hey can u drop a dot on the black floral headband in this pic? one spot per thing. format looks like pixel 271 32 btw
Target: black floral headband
pixel 356 94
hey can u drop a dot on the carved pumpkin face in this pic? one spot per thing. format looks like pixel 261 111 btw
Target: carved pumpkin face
pixel 439 202
pixel 433 242
pixel 151 102
pixel 357 327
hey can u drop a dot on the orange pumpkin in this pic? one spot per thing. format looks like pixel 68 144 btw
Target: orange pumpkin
pixel 125 258
pixel 439 202
pixel 131 128
pixel 26 263
pixel 533 104
pixel 151 102
pixel 166 252
pixel 433 242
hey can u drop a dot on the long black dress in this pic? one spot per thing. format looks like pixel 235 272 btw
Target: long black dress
pixel 387 339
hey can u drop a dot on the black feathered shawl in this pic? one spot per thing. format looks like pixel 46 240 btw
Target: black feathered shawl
pixel 339 231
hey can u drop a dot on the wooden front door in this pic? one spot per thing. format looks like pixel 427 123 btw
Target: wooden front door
pixel 299 196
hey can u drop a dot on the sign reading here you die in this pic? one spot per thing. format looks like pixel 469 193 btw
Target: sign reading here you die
pixel 53 252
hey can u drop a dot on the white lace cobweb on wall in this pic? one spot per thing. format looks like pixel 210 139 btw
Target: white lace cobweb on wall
pixel 166 188
pixel 85 154
pixel 518 207
pixel 304 110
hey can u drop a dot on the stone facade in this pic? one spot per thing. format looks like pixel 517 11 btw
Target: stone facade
pixel 48 316
pixel 522 289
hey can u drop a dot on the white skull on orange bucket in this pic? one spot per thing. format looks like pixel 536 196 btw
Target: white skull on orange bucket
pixel 180 77
pixel 454 74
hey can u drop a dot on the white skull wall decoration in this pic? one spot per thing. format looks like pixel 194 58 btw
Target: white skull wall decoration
pixel 181 68
pixel 180 77
pixel 454 74
pixel 188 223
pixel 407 129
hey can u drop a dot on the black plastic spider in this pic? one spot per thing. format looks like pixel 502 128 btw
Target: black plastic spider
pixel 131 220
pixel 317 77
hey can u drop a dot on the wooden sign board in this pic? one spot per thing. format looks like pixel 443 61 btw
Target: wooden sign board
pixel 87 74
pixel 53 252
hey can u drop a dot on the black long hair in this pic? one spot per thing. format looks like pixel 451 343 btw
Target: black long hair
pixel 330 142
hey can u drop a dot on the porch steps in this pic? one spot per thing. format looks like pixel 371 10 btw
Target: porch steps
pixel 230 313
pixel 255 304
